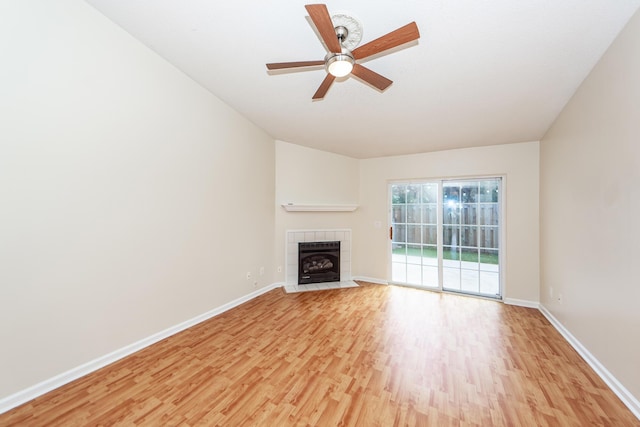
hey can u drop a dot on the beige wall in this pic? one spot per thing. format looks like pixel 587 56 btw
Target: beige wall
pixel 590 210
pixel 130 198
pixel 518 163
pixel 308 176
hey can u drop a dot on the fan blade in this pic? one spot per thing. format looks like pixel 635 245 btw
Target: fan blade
pixel 280 65
pixel 321 18
pixel 393 39
pixel 371 77
pixel 324 87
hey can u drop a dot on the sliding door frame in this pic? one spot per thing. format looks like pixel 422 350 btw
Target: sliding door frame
pixel 501 238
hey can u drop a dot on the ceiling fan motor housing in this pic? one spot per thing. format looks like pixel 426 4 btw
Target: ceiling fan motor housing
pixel 339 64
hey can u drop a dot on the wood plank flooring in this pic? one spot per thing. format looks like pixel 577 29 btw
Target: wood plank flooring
pixel 367 356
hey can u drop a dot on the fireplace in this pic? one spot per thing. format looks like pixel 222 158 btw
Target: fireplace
pixel 318 262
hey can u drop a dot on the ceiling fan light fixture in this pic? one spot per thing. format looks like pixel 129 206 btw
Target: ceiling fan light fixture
pixel 340 64
pixel 340 34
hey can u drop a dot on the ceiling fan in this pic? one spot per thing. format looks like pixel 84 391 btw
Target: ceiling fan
pixel 341 61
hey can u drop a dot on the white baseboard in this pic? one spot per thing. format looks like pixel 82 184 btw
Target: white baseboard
pixel 370 280
pixel 522 302
pixel 627 398
pixel 46 386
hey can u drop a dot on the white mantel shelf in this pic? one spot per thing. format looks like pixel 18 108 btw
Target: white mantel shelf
pixel 289 207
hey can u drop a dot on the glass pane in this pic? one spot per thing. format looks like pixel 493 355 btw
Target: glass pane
pixel 490 283
pixel 489 237
pixel 398 194
pixel 414 254
pixel 489 190
pixel 451 253
pixel 399 272
pixel 451 278
pixel 413 193
pixel 451 215
pixel 468 214
pixel 430 276
pixel 399 233
pixel 430 214
pixel 413 214
pixel 399 253
pixel 469 192
pixel 451 235
pixel 470 281
pixel 469 236
pixel 430 256
pixel 451 205
pixel 414 274
pixel 430 234
pixel 451 192
pixel 429 193
pixel 488 213
pixel 470 256
pixel 414 234
pixel 399 213
pixel 489 260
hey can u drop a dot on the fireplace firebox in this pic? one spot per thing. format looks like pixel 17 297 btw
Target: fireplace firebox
pixel 318 262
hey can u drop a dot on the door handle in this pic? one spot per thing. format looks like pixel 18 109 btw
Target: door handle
pixel 391 233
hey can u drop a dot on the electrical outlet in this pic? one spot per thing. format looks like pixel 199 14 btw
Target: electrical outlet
pixel 248 275
pixel 261 271
pixel 279 269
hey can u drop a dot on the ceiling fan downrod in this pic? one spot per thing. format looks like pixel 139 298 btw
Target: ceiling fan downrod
pixel 342 33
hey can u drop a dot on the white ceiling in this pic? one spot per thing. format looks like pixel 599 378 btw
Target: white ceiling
pixel 483 72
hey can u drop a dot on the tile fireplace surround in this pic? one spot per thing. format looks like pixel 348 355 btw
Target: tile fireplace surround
pixel 328 235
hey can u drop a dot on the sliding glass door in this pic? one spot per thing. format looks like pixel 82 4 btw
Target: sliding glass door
pixel 414 247
pixel 446 235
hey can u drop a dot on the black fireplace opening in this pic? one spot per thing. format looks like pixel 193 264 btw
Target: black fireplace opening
pixel 318 262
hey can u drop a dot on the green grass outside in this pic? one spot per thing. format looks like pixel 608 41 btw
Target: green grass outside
pixel 466 254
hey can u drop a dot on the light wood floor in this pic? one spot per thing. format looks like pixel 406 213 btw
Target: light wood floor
pixel 368 356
